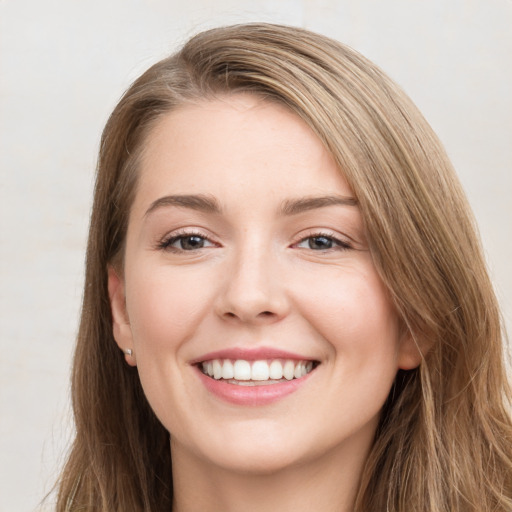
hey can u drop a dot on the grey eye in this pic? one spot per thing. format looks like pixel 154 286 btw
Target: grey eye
pixel 320 243
pixel 189 243
pixel 186 242
pixel 317 243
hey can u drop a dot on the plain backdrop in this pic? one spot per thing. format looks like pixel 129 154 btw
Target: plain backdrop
pixel 64 65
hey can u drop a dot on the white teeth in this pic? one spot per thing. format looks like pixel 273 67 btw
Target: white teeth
pixel 288 370
pixel 242 370
pixel 261 372
pixel 217 369
pixel 227 370
pixel 276 370
pixel 254 382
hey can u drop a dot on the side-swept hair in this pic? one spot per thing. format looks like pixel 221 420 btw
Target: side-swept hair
pixel 444 442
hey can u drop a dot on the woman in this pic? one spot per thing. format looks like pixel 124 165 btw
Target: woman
pixel 283 278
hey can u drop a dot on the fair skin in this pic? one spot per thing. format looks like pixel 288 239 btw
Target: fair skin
pixel 228 257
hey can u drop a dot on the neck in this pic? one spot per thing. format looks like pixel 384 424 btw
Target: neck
pixel 329 484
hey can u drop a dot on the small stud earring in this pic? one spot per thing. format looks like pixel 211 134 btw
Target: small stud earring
pixel 127 351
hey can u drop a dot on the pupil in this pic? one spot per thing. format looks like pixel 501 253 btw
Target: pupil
pixel 192 242
pixel 320 242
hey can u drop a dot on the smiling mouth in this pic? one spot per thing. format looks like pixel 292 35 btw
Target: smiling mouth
pixel 262 372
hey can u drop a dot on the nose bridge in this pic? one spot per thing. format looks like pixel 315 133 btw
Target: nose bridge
pixel 253 290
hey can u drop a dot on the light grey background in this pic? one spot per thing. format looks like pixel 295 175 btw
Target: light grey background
pixel 64 64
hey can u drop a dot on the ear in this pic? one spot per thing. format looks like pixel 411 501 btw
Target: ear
pixel 120 323
pixel 410 351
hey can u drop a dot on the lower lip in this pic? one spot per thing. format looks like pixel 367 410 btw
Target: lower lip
pixel 251 395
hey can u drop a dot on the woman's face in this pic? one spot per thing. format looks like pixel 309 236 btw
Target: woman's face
pixel 262 333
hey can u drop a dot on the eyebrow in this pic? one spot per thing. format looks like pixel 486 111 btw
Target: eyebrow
pixel 296 206
pixel 200 202
pixel 208 204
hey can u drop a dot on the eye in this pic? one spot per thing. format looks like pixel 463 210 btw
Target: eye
pixel 186 242
pixel 322 242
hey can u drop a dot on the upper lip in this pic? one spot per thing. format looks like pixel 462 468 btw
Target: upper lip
pixel 251 354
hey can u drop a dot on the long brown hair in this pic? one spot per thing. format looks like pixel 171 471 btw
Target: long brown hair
pixel 445 437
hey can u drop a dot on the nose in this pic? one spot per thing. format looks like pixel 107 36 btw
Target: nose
pixel 253 290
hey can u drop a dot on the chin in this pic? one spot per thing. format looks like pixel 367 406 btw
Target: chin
pixel 263 454
pixel 256 464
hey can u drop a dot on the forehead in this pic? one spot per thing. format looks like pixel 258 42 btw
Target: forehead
pixel 236 143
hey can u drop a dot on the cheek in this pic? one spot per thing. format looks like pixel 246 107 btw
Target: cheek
pixel 353 312
pixel 166 306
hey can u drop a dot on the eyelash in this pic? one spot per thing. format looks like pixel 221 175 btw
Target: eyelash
pixel 166 243
pixel 338 245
